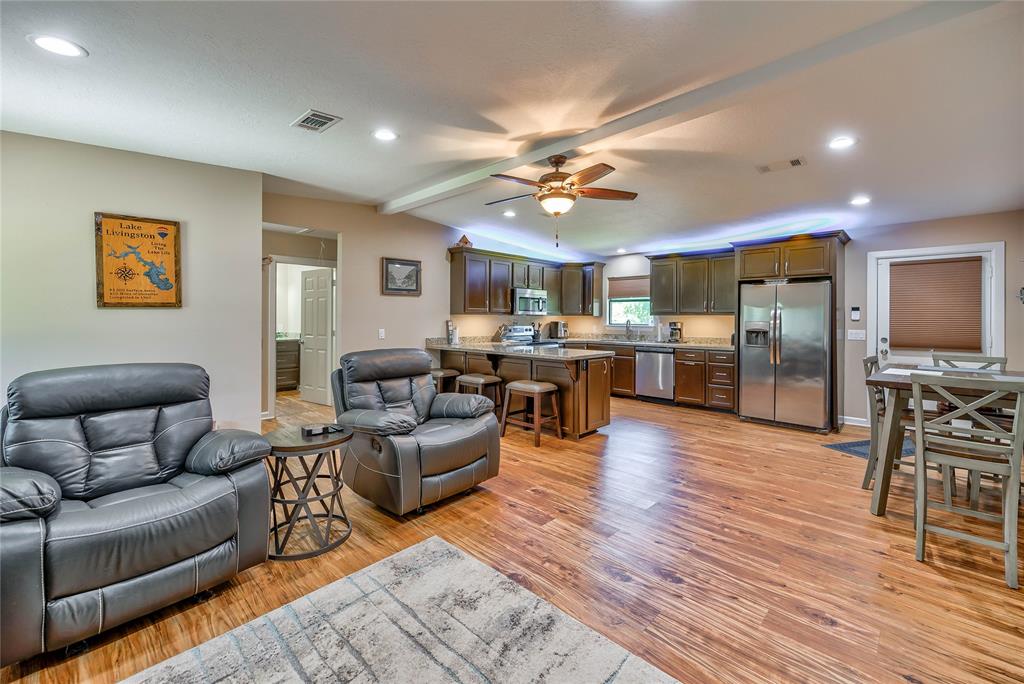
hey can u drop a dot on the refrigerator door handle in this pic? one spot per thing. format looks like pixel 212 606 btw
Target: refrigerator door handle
pixel 771 339
pixel 778 335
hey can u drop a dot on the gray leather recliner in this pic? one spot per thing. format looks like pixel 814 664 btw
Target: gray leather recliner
pixel 118 498
pixel 412 446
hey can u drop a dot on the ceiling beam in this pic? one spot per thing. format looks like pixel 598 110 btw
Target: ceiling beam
pixel 697 102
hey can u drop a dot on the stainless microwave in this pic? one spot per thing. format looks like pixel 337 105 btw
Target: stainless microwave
pixel 529 302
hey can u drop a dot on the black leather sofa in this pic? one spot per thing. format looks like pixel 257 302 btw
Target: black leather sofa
pixel 412 446
pixel 118 498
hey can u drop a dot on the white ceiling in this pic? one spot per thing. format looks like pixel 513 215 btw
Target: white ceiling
pixel 939 111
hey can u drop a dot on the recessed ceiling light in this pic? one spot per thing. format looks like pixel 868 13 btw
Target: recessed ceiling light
pixel 58 46
pixel 842 142
pixel 508 213
pixel 860 200
pixel 621 250
pixel 385 134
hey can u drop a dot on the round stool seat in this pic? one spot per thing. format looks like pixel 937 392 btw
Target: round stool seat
pixel 440 373
pixel 531 386
pixel 477 379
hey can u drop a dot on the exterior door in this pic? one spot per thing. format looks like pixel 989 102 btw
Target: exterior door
pixel 316 335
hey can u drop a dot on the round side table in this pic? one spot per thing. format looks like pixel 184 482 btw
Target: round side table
pixel 305 474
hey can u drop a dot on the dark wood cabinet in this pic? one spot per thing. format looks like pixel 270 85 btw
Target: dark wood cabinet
pixel 663 286
pixel 591 304
pixel 723 284
pixel 287 364
pixel 501 286
pixel 599 382
pixel 758 262
pixel 806 258
pixel 553 284
pixel 536 277
pixel 690 383
pixel 520 274
pixel 477 285
pixel 572 290
pixel 623 368
pixel 693 285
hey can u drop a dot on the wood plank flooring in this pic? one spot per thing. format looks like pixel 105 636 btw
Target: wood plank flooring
pixel 717 549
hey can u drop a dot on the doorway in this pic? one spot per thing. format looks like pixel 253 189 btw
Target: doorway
pixel 301 333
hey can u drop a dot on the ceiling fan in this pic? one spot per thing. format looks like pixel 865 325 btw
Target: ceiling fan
pixel 558 191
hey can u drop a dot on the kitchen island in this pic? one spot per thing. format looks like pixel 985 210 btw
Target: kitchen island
pixel 583 376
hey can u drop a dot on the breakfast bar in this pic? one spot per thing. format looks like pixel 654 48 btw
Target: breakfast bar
pixel 583 376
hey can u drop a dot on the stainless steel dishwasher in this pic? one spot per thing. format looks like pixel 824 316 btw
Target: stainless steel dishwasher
pixel 655 376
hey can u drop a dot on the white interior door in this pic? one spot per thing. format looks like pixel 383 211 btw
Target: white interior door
pixel 316 334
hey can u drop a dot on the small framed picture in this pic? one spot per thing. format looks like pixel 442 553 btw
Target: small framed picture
pixel 400 277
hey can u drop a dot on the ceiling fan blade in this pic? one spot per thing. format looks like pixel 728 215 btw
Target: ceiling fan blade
pixel 589 175
pixel 508 199
pixel 605 193
pixel 517 179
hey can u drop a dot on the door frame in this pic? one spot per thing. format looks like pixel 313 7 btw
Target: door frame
pixel 995 310
pixel 271 333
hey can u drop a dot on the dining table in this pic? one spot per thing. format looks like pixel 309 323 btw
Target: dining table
pixel 895 380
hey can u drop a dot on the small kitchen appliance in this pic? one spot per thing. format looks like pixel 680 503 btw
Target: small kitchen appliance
pixel 675 331
pixel 526 302
pixel 558 330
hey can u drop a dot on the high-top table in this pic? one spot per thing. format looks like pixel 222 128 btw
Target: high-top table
pixel 895 379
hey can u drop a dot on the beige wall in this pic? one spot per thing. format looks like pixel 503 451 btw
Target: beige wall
pixel 284 244
pixel 364 237
pixel 1007 227
pixel 48 315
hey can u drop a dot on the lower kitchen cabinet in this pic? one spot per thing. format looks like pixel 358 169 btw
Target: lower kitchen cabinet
pixel 689 382
pixel 599 381
pixel 623 368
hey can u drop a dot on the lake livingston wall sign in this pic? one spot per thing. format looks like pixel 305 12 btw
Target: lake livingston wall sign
pixel 138 262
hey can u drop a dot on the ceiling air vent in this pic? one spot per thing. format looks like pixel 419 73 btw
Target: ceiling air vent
pixel 316 121
pixel 783 164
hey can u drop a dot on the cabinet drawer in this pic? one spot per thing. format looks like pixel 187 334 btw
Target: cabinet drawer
pixel 721 397
pixel 721 357
pixel 619 349
pixel 689 354
pixel 575 345
pixel 287 359
pixel 721 375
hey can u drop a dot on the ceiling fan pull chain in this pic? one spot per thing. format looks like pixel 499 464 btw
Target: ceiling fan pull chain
pixel 556 232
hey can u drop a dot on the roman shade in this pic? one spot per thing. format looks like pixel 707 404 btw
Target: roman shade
pixel 936 304
pixel 630 287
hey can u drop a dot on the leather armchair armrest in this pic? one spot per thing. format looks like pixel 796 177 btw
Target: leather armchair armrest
pixel 377 422
pixel 451 405
pixel 222 451
pixel 27 494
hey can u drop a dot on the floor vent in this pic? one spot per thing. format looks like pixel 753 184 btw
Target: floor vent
pixel 316 121
pixel 780 165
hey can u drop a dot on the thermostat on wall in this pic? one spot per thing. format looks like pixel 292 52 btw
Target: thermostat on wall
pixel 854 313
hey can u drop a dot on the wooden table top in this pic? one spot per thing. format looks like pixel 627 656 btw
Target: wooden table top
pixel 290 438
pixel 886 378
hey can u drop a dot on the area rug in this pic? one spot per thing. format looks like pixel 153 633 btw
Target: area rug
pixel 430 613
pixel 861 446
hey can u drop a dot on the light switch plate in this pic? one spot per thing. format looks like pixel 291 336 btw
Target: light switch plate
pixel 380 333
pixel 852 334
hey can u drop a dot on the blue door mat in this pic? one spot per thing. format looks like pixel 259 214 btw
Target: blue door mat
pixel 860 447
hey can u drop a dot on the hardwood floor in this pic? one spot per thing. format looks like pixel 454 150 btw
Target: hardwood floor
pixel 717 549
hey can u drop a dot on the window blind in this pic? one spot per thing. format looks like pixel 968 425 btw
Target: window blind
pixel 936 304
pixel 629 287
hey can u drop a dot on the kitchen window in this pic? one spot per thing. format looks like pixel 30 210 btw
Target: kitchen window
pixel 629 299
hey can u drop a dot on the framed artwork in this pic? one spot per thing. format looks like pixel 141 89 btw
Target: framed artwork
pixel 400 277
pixel 138 262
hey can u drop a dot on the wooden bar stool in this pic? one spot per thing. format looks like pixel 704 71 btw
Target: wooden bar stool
pixel 533 393
pixel 441 376
pixel 479 382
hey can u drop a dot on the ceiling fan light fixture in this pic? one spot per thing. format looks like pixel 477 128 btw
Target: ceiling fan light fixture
pixel 557 202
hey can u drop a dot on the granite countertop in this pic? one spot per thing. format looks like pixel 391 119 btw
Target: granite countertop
pixel 525 352
pixel 652 343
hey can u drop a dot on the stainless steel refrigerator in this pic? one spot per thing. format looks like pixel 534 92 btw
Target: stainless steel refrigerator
pixel 784 351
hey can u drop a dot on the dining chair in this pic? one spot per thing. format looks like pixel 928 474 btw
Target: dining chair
pixel 876 412
pixel 957 360
pixel 986 447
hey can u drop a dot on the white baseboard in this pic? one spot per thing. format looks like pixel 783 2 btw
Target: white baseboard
pixel 860 422
pixel 267 415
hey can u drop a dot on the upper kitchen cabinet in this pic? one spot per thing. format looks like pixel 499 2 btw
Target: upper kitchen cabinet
pixel 663 286
pixel 482 282
pixel 797 257
pixel 695 284
pixel 724 288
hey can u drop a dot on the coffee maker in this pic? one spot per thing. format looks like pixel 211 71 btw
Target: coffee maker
pixel 675 331
pixel 558 330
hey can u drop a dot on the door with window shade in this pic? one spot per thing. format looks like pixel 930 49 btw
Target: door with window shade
pixel 931 304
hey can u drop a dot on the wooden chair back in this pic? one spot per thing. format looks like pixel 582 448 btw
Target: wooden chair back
pixel 876 395
pixel 957 360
